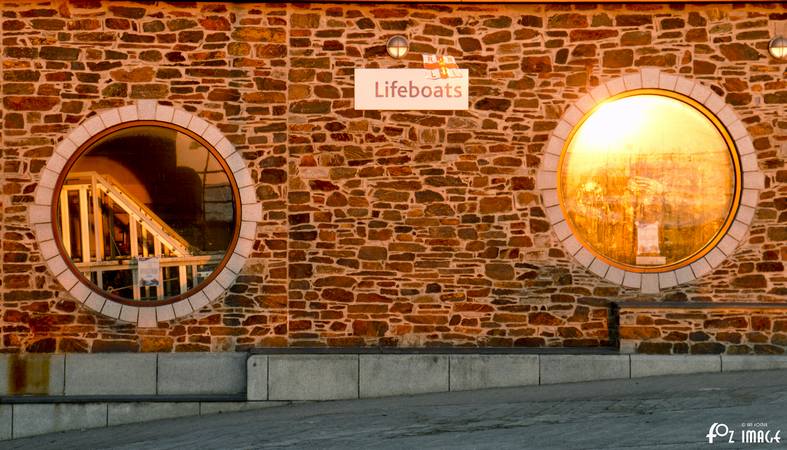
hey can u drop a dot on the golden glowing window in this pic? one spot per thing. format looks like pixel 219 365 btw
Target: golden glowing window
pixel 649 180
pixel 146 212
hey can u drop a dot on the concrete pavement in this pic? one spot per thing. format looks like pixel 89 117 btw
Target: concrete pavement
pixel 662 412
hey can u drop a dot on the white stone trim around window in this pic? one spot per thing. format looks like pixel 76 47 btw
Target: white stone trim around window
pixel 753 180
pixel 40 215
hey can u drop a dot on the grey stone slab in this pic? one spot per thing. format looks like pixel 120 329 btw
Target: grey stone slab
pixel 31 374
pixel 663 413
pixel 111 374
pixel 227 407
pixel 573 368
pixel 35 419
pixel 385 375
pixel 137 412
pixel 6 412
pixel 654 365
pixel 257 377
pixel 201 373
pixel 732 363
pixel 492 371
pixel 312 377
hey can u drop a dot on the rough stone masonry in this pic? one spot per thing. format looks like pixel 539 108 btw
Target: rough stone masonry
pixel 390 228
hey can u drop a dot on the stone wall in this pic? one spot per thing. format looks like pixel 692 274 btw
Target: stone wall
pixel 380 228
pixel 686 329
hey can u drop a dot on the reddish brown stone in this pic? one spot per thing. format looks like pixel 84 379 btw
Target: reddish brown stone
pixel 778 233
pixel 156 344
pixel 310 107
pixel 739 52
pixel 704 348
pixel 30 103
pixel 372 253
pixel 567 21
pixel 141 74
pixel 635 38
pixel 370 328
pixel 215 23
pixel 495 205
pixel 59 53
pixel 469 44
pixel 523 183
pixel 633 20
pixel 152 90
pixel 128 12
pixel 657 348
pixel 750 282
pixel 618 58
pixel 639 333
pixel 672 23
pixel 497 37
pixel 543 318
pixel 493 104
pixel 102 346
pixel 592 35
pixel 697 35
pixel 305 20
pixel 536 64
pixel 510 318
pixel 704 67
pixel 498 271
pixel 257 34
pixel 733 322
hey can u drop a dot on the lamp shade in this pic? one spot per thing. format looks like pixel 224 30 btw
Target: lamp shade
pixel 397 46
pixel 778 47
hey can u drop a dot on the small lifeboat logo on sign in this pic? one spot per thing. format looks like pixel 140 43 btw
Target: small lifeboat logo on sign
pixel 441 67
pixel 440 85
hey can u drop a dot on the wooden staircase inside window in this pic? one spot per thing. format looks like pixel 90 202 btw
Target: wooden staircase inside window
pixel 104 229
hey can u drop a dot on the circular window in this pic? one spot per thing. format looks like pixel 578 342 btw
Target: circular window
pixel 649 180
pixel 146 212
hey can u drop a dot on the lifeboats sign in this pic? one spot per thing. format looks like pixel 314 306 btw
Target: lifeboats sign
pixel 440 85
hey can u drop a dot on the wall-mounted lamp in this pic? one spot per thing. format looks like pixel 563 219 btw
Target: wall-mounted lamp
pixel 778 47
pixel 397 46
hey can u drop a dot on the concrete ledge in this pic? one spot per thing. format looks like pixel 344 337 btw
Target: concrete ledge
pixel 32 374
pixel 6 422
pixel 32 420
pixel 468 372
pixel 123 413
pixel 654 365
pixel 228 407
pixel 201 373
pixel 312 377
pixel 25 420
pixel 111 374
pixel 278 379
pixel 385 375
pixel 732 363
pixel 573 368
pixel 257 378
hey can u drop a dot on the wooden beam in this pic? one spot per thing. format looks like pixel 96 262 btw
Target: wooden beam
pixel 183 279
pixel 65 224
pixel 98 220
pixel 157 253
pixel 84 225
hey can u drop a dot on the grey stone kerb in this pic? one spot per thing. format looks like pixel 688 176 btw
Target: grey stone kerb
pixel 40 213
pixel 752 179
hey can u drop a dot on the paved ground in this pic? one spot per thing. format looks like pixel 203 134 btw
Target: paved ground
pixel 665 413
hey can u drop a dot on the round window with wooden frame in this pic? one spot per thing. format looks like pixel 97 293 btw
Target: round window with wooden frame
pixel 649 180
pixel 146 213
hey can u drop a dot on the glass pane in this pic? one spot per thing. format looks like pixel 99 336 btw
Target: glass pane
pixel 647 181
pixel 142 208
